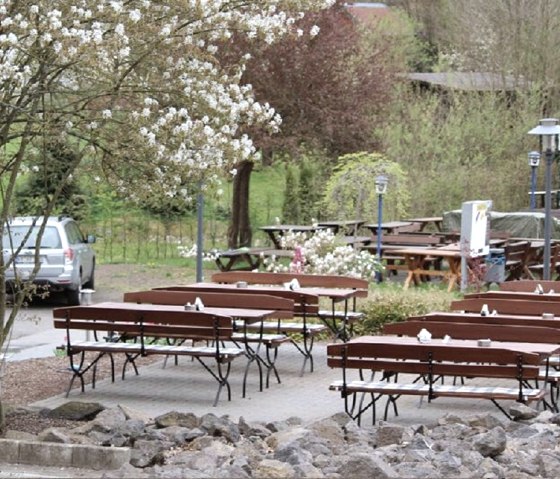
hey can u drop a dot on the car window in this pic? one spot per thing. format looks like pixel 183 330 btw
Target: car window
pixel 51 238
pixel 74 234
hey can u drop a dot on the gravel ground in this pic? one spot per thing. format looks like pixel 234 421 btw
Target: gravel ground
pixel 24 382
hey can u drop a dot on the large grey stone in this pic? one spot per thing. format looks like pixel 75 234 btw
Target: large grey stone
pixel 485 421
pixel 390 434
pixel 180 435
pixel 109 419
pixel 273 469
pixel 147 453
pixel 220 426
pixel 293 454
pixel 175 418
pixel 62 436
pixel 490 443
pixel 134 414
pixel 521 412
pixel 76 411
pixel 366 466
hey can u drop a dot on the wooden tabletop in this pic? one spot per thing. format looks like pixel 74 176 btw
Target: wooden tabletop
pixel 427 219
pixel 432 251
pixel 248 315
pixel 543 349
pixel 296 228
pixel 336 294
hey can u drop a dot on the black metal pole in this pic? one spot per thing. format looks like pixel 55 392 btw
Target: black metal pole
pixel 547 215
pixel 199 235
pixel 379 276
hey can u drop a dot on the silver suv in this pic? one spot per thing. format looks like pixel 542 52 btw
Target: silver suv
pixel 67 260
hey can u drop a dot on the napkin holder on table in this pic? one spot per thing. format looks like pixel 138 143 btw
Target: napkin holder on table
pixel 424 336
pixel 199 305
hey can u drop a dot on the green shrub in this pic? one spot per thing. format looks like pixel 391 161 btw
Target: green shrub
pixel 391 304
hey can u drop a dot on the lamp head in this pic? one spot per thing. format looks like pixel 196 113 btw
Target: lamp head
pixel 534 158
pixel 381 182
pixel 548 129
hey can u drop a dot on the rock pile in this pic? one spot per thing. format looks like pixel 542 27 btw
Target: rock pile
pixel 184 445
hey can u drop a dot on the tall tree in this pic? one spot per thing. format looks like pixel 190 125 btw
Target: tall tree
pixel 329 82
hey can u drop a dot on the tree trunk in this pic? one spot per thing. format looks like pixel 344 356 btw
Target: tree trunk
pixel 239 231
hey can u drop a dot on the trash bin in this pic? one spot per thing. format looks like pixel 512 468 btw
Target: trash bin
pixel 495 266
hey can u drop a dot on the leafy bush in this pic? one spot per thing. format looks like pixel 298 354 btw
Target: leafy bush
pixel 390 304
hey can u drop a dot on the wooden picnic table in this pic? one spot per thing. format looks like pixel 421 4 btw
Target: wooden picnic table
pixel 391 227
pixel 275 232
pixel 337 324
pixel 420 262
pixel 436 221
pixel 246 315
pixel 247 259
pixel 348 227
pixel 540 197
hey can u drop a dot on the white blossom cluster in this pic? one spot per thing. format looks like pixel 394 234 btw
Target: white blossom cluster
pixel 141 73
pixel 324 254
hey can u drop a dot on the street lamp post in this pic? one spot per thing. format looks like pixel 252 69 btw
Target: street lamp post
pixel 534 160
pixel 548 129
pixel 381 182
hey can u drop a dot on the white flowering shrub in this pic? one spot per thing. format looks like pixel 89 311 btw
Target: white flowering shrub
pixel 140 78
pixel 324 253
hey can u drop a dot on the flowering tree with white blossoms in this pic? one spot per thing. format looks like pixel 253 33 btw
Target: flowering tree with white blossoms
pixel 323 253
pixel 134 85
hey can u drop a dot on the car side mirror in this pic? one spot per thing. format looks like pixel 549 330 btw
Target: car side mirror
pixel 90 239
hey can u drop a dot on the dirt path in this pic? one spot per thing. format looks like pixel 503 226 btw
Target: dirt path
pixel 111 280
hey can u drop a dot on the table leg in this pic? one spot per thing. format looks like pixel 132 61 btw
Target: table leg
pixel 454 272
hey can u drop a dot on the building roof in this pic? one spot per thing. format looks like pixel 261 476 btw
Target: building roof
pixel 367 12
pixel 472 81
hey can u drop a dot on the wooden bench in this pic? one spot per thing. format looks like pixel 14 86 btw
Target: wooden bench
pixel 271 339
pixel 536 269
pixel 507 306
pixel 328 316
pixel 428 363
pixel 142 325
pixel 529 285
pixel 517 257
pixel 515 295
pixel 302 332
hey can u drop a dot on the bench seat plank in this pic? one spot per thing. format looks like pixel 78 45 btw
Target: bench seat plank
pixel 167 349
pixel 439 390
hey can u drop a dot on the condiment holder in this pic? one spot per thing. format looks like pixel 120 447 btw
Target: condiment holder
pixel 190 307
pixel 547 316
pixel 484 343
pixel 241 284
pixel 424 336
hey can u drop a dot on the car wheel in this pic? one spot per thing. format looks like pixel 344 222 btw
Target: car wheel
pixel 90 284
pixel 73 297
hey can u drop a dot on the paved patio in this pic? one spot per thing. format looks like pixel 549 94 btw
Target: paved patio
pixel 188 388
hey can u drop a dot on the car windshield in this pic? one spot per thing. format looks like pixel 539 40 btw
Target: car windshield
pixel 51 238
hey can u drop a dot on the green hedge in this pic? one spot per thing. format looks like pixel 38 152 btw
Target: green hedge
pixel 391 304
